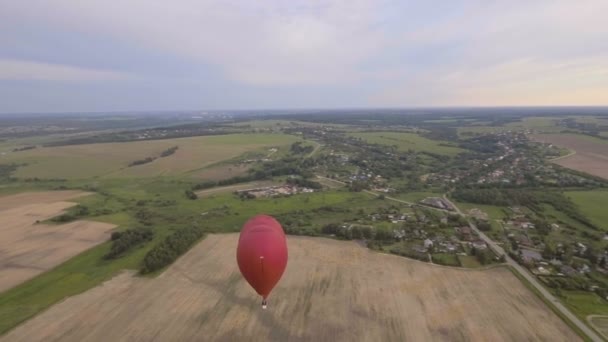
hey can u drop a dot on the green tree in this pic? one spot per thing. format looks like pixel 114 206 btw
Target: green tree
pixel 484 226
pixel 590 255
pixel 549 251
pixel 483 256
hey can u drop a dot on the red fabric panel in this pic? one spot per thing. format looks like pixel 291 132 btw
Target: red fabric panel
pixel 262 253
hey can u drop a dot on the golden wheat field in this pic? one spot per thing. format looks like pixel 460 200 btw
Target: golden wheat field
pixel 331 291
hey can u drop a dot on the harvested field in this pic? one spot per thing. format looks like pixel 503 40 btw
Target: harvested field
pixel 591 153
pixel 17 200
pixel 331 291
pixel 27 248
pixel 113 159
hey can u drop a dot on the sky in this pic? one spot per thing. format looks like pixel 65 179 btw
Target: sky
pixel 127 55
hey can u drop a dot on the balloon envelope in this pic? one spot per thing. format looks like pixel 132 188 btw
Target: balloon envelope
pixel 262 253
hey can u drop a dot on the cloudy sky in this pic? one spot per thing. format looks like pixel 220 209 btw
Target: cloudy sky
pixel 110 55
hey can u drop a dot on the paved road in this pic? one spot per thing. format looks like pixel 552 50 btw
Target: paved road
pixel 532 279
pixel 518 268
pixel 386 197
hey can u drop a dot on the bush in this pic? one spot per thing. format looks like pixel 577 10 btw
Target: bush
pixel 76 212
pixel 306 183
pixel 64 218
pixel 170 248
pixel 142 161
pixel 446 260
pixel 204 185
pixel 299 148
pixel 168 151
pixel 484 226
pixel 191 195
pixel 531 199
pixel 410 254
pixel 115 236
pixel 484 256
pixel 124 241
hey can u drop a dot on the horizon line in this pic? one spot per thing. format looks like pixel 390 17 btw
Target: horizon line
pixel 161 111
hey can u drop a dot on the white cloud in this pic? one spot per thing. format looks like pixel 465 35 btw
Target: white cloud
pixel 11 69
pixel 409 53
pixel 270 43
pixel 511 53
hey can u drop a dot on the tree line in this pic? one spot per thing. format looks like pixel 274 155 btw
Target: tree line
pixel 24 148
pixel 74 213
pixel 123 241
pixel 169 151
pixel 305 183
pixel 147 160
pixel 172 247
pixel 527 198
pixel 281 167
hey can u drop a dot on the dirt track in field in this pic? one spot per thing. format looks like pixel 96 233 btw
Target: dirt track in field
pixel 331 291
pixel 27 248
pixel 591 153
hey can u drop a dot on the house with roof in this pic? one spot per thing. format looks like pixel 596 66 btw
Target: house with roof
pixel 530 256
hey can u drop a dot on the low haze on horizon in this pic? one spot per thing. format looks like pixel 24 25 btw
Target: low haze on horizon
pixel 66 56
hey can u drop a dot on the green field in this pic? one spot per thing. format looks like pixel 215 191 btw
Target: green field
pixel 233 211
pixel 446 259
pixel 168 209
pixel 469 261
pixel 586 137
pixel 542 124
pixel 494 212
pixel 600 120
pixel 479 130
pixel 112 159
pixel 594 204
pixel 414 196
pixel 584 304
pixel 409 141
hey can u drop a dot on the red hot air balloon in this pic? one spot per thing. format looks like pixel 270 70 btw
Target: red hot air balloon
pixel 262 254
